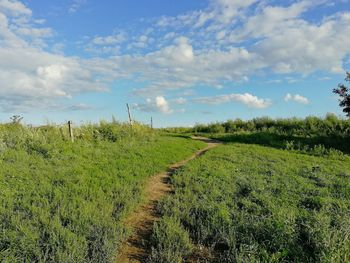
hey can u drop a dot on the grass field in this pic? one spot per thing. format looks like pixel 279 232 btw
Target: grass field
pixel 250 203
pixel 63 201
pixel 260 197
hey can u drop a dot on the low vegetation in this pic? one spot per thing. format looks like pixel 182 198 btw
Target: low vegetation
pixel 276 191
pixel 329 134
pixel 64 202
pixel 316 145
pixel 311 126
pixel 251 203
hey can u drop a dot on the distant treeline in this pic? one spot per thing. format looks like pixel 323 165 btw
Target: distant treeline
pixel 330 125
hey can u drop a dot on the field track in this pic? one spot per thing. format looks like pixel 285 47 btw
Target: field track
pixel 136 249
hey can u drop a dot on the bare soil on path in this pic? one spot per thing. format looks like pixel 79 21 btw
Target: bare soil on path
pixel 136 248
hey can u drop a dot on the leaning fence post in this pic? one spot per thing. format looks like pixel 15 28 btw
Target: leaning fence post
pixel 70 128
pixel 129 113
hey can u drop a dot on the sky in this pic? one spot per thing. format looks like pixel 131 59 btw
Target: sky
pixel 181 62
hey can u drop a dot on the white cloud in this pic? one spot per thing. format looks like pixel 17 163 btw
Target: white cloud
pixel 162 105
pixel 181 53
pixel 246 99
pixel 140 42
pixel 34 32
pixel 14 8
pixel 180 101
pixel 76 5
pixel 226 10
pixel 170 35
pixel 220 35
pixel 212 52
pixel 218 14
pixel 79 107
pixel 274 81
pixel 209 48
pixel 222 12
pixel 109 40
pixel 271 20
pixel 283 42
pixel 291 80
pixel 307 48
pixel 158 104
pixel 36 75
pixel 143 38
pixel 297 98
pixel 178 66
pixel 324 78
pixel 31 77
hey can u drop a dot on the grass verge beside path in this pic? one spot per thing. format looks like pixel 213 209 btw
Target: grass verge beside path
pixel 248 203
pixel 63 202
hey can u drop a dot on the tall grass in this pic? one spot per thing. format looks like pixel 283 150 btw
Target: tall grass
pixel 308 135
pixel 248 203
pixel 311 126
pixel 64 202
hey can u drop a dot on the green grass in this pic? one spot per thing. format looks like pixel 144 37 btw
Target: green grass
pixel 63 201
pixel 250 203
pixel 317 145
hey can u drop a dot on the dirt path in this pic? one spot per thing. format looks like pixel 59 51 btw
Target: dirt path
pixel 142 220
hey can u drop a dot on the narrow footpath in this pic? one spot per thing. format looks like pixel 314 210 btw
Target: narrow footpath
pixel 136 248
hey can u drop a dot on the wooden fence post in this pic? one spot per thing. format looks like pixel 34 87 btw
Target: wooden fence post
pixel 129 113
pixel 70 128
pixel 151 123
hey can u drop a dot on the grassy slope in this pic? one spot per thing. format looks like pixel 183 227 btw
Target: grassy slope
pixel 322 145
pixel 62 202
pixel 249 203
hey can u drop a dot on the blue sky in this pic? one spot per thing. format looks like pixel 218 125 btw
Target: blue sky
pixel 181 62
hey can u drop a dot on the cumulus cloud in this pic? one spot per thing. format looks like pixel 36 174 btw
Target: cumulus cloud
pixel 162 105
pixel 297 98
pixel 14 8
pixel 29 75
pixel 178 66
pixel 246 99
pixel 307 48
pixel 158 104
pixel 181 53
pixel 205 47
pixel 271 20
pixel 212 50
pixel 34 75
